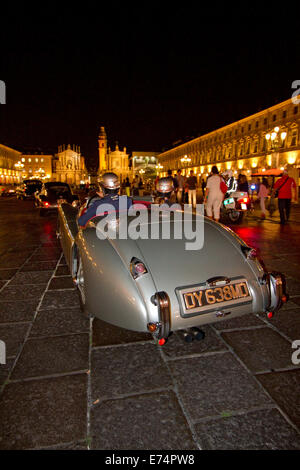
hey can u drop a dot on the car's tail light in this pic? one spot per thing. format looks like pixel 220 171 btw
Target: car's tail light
pixel 46 204
pixel 249 252
pixel 137 268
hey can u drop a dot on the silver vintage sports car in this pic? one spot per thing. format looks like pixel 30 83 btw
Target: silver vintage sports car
pixel 157 285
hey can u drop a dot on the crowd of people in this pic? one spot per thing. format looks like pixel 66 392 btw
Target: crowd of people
pixel 184 190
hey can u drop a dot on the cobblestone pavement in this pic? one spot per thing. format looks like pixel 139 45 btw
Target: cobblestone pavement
pixel 74 383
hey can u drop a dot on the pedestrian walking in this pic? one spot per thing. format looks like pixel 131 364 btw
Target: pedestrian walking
pixel 203 186
pixel 127 187
pixel 192 188
pixel 285 190
pixel 180 181
pixel 135 186
pixel 243 183
pixel 214 196
pixel 262 194
pixel 175 186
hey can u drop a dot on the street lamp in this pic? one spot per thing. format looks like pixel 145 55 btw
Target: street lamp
pixel 158 167
pixel 276 139
pixel 185 159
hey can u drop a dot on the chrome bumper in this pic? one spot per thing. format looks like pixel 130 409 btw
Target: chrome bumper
pixel 277 292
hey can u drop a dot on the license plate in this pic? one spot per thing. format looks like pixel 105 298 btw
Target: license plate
pixel 201 299
pixel 228 201
pixel 244 207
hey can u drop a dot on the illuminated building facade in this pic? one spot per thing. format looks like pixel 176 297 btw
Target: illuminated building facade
pixel 36 165
pixel 10 166
pixel 267 139
pixel 144 163
pixel 116 161
pixel 68 165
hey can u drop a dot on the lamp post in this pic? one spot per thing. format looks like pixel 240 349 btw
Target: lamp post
pixel 19 166
pixel 158 167
pixel 275 140
pixel 185 160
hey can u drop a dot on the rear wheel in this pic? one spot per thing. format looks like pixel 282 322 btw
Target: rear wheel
pixel 235 216
pixel 80 282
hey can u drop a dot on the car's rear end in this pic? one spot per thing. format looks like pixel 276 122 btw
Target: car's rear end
pixel 175 288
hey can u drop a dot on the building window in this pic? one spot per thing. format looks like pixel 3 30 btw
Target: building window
pixel 294 138
pixel 283 114
pixel 29 160
pixel 265 121
pixel 249 127
pixel 274 117
pixel 256 124
pixel 295 109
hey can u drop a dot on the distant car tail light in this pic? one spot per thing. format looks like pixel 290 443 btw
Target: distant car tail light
pixel 244 199
pixel 137 268
pixel 46 204
pixel 249 252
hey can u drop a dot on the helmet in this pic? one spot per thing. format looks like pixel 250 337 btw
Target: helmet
pixel 228 173
pixel 165 185
pixel 110 181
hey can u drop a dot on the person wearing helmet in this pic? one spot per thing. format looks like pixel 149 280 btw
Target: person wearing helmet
pixel 230 181
pixel 110 186
pixel 164 189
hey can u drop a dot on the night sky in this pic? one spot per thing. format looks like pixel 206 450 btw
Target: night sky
pixel 150 75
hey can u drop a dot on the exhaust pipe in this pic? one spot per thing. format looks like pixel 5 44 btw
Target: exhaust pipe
pixel 192 333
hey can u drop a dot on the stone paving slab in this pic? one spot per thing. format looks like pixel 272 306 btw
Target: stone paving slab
pixel 45 412
pixel 261 349
pixel 245 321
pixel 293 286
pixel 143 422
pixel 6 274
pixel 284 388
pixel 31 277
pixel 13 335
pixel 60 299
pixel 287 323
pixel 59 322
pixel 124 370
pixel 177 347
pixel 18 311
pixel 214 384
pixel 62 270
pixel 62 282
pixel 53 355
pixel 22 292
pixel 5 370
pixel 39 266
pixel 258 430
pixel 105 334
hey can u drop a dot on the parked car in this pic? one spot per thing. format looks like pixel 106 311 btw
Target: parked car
pixel 7 190
pixel 52 194
pixel 157 286
pixel 27 189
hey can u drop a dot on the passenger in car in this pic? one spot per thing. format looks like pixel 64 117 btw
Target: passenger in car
pixel 110 186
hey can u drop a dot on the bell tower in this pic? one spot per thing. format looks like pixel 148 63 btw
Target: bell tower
pixel 102 148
